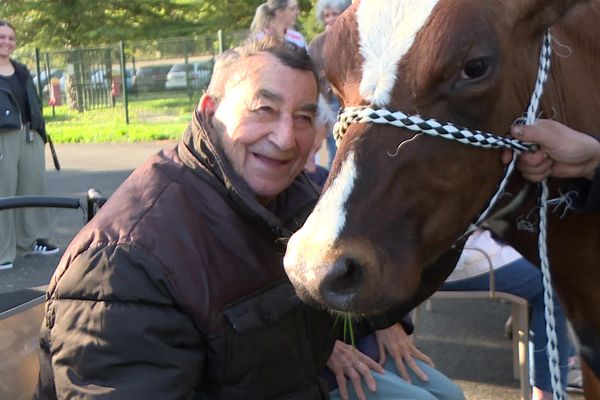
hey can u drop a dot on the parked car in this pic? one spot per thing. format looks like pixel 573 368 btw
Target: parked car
pixel 99 78
pixel 150 78
pixel 199 74
pixel 54 73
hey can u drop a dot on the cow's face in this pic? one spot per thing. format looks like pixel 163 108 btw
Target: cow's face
pixel 396 201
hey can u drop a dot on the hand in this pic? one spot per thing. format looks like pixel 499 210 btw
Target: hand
pixel 346 361
pixel 398 344
pixel 563 152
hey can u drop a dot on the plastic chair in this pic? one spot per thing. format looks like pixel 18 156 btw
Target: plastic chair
pixel 520 323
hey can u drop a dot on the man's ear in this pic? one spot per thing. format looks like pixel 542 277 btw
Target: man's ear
pixel 206 109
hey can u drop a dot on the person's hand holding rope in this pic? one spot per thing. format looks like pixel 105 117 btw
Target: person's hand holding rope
pixel 563 152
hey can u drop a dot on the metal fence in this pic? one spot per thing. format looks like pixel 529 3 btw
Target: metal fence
pixel 86 79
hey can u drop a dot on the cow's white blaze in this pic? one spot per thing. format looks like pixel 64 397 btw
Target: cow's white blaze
pixel 323 226
pixel 387 30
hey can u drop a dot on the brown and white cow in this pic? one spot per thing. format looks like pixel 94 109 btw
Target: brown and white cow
pixel 383 232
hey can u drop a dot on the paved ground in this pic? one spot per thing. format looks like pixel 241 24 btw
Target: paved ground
pixel 464 338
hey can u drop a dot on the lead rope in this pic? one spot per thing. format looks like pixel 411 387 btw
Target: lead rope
pixel 552 343
pixel 415 123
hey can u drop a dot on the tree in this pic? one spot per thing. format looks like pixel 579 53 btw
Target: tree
pixel 55 24
pixel 73 23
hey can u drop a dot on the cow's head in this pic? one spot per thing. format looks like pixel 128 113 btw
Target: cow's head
pixel 396 201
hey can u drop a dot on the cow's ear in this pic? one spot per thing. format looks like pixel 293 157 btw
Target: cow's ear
pixel 539 15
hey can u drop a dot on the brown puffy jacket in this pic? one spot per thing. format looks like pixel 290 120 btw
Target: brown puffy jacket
pixel 176 290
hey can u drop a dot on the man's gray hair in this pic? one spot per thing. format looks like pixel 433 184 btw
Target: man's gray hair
pixel 286 52
pixel 339 5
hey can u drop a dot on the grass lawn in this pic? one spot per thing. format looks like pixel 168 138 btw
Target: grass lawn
pixel 152 116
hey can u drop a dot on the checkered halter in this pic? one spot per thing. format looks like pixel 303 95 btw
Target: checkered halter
pixel 415 123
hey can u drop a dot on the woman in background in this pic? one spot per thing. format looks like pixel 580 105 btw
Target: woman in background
pixel 22 164
pixel 277 18
pixel 327 12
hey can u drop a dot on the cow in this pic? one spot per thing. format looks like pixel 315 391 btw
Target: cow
pixel 390 224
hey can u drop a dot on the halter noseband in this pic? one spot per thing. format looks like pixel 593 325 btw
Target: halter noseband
pixel 415 123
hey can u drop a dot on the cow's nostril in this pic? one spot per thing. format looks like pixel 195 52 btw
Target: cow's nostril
pixel 343 280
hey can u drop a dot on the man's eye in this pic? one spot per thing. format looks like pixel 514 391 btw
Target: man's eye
pixel 305 120
pixel 264 109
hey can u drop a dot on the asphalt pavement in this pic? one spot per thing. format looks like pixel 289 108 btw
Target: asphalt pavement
pixel 465 338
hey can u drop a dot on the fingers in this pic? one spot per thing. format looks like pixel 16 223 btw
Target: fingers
pixel 365 372
pixel 401 369
pixel 382 352
pixel 423 357
pixel 370 363
pixel 537 133
pixel 535 166
pixel 416 369
pixel 506 156
pixel 341 381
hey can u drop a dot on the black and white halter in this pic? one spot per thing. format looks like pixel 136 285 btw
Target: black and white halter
pixel 416 123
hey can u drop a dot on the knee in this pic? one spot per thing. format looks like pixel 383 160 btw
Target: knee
pixel 451 392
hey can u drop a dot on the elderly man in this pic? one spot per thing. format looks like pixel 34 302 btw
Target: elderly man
pixel 176 289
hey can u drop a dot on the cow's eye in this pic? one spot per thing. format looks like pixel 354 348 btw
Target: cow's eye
pixel 475 68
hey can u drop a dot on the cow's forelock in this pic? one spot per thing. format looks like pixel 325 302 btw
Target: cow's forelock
pixel 387 30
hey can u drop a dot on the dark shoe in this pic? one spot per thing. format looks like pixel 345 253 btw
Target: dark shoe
pixel 43 248
pixel 6 265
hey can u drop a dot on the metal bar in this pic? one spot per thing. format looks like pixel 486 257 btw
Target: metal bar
pixel 39 201
pixel 37 71
pixel 48 82
pixel 124 81
pixel 95 200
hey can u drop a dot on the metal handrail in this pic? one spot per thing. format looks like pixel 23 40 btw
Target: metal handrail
pixel 39 201
pixel 95 200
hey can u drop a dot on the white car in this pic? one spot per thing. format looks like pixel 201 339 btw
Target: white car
pixel 199 74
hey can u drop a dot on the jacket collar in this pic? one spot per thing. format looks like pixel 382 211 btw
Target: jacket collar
pixel 282 216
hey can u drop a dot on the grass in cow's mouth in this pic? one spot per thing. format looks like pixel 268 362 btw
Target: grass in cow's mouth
pixel 348 329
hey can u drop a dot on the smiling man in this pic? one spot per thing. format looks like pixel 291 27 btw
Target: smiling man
pixel 176 289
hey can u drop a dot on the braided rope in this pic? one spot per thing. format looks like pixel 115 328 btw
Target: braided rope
pixel 365 114
pixel 552 341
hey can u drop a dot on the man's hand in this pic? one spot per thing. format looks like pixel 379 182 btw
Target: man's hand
pixel 398 344
pixel 347 362
pixel 563 152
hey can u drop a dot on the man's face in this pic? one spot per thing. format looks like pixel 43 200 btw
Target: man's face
pixel 265 122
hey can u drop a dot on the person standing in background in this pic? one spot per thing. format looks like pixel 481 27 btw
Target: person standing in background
pixel 327 12
pixel 277 18
pixel 22 164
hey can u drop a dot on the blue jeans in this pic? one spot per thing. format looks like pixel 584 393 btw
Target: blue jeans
pixel 523 279
pixel 390 386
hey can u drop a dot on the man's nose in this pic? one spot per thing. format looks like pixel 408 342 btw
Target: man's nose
pixel 284 136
